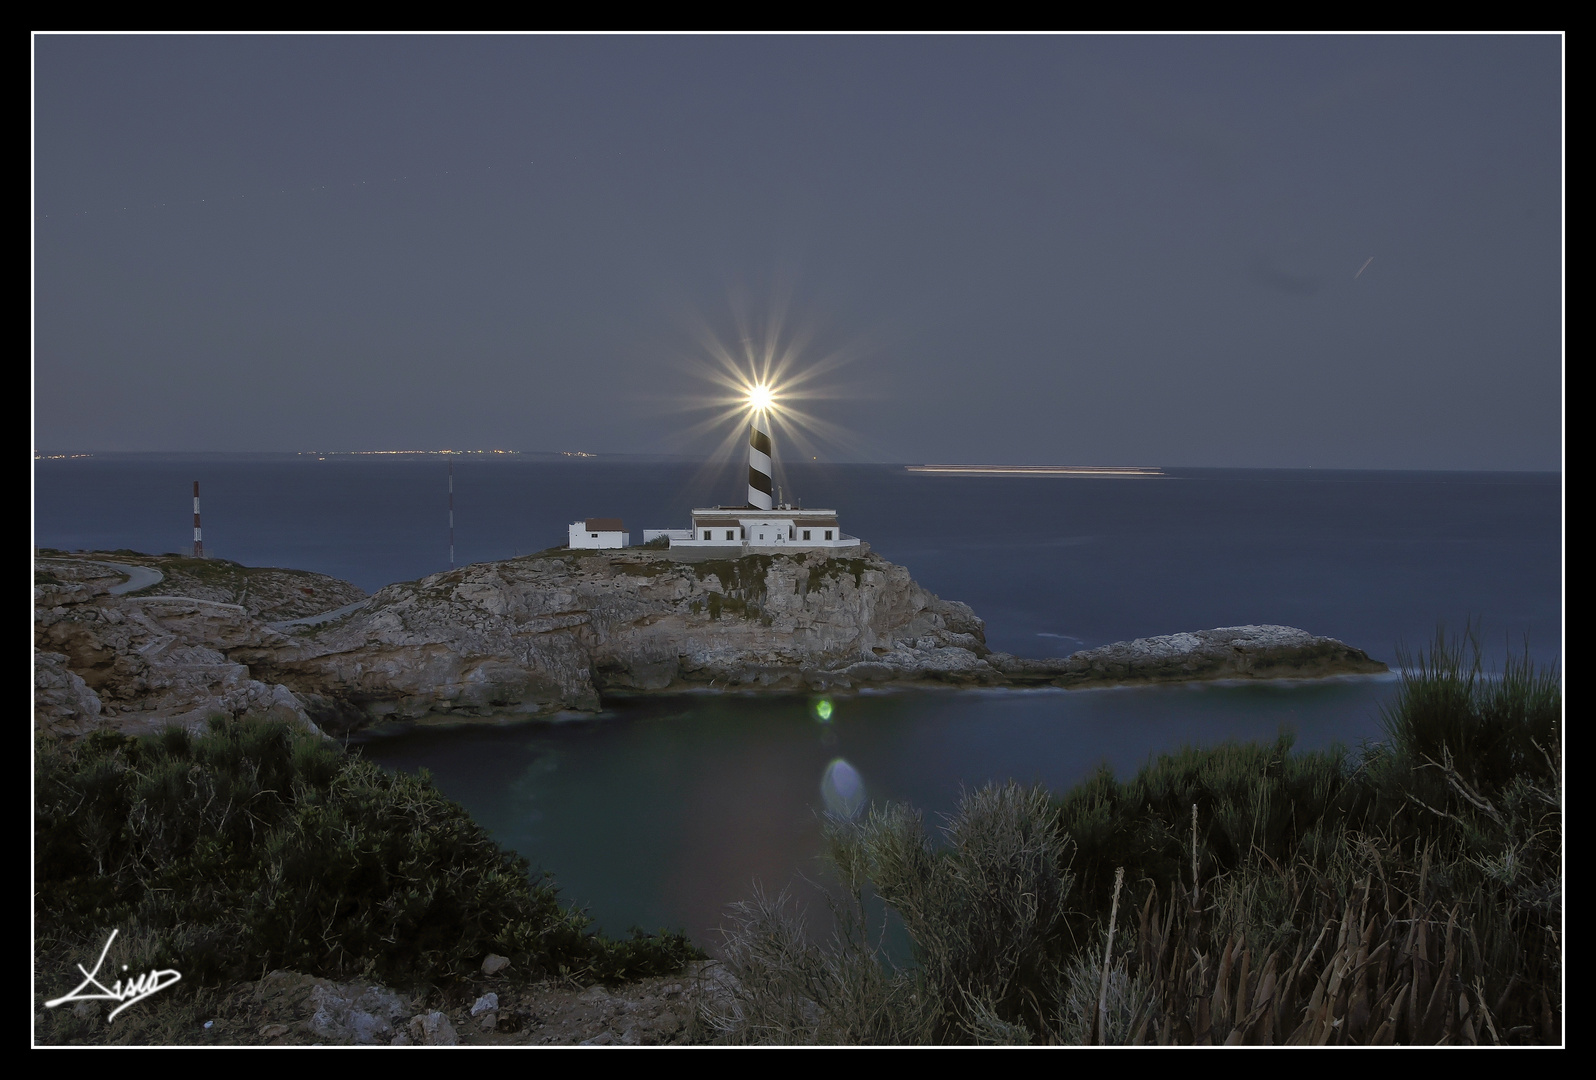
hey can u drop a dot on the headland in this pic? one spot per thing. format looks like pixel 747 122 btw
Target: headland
pixel 552 633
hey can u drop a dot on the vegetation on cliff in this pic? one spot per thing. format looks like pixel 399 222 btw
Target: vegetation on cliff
pixel 1407 893
pixel 266 593
pixel 254 846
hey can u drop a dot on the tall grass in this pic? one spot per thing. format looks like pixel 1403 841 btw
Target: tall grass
pixel 1410 893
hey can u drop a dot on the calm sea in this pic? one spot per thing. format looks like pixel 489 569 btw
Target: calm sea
pixel 661 810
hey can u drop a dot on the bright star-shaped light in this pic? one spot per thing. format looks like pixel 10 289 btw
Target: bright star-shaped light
pixel 767 372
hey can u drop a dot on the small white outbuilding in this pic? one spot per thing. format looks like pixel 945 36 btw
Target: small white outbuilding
pixel 599 533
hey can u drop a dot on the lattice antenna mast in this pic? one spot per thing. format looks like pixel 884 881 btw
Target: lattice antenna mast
pixel 199 544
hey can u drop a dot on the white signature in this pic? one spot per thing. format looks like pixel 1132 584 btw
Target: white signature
pixel 136 990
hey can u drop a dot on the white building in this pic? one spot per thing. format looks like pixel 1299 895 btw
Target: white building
pixel 755 527
pixel 599 533
pixel 760 523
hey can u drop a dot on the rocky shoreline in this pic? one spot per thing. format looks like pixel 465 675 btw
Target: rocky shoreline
pixel 554 632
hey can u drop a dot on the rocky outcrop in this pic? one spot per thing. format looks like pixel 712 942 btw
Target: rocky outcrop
pixel 63 704
pixel 136 664
pixel 541 634
pixel 1230 652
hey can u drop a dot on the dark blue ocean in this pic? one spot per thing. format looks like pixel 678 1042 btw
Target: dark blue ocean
pixel 660 811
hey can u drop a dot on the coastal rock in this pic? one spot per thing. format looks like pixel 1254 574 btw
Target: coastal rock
pixel 63 704
pixel 541 634
pixel 136 664
pixel 560 631
pixel 1230 652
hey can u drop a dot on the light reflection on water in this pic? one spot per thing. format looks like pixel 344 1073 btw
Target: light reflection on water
pixel 663 810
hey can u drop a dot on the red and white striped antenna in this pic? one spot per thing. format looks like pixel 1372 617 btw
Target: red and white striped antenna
pixel 451 515
pixel 199 545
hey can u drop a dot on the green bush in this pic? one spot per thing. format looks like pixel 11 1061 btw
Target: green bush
pixel 1493 729
pixel 253 847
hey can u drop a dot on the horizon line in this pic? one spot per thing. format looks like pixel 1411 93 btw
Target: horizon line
pixel 950 469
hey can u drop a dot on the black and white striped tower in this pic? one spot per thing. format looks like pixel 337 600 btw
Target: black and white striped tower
pixel 759 488
pixel 199 545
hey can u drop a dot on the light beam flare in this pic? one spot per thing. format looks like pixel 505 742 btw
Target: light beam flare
pixel 760 384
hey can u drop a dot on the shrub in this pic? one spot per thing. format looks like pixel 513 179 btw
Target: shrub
pixel 253 847
pixel 1410 893
pixel 985 915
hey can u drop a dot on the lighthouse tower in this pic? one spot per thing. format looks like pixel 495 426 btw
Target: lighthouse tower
pixel 757 524
pixel 759 469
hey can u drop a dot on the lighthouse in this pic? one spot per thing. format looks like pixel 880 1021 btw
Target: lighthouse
pixel 759 465
pixel 759 523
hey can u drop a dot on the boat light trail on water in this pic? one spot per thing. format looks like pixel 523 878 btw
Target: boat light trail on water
pixel 1112 471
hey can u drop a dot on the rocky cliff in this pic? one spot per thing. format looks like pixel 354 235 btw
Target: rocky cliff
pixel 541 634
pixel 159 655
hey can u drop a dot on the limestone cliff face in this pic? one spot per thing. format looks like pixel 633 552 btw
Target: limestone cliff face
pixel 139 663
pixel 548 633
pixel 536 635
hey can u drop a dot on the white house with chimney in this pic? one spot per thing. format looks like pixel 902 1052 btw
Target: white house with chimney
pixel 599 533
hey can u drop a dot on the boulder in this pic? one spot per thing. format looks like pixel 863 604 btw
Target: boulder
pixel 433 1029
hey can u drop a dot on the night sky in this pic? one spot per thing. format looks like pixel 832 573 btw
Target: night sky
pixel 1081 250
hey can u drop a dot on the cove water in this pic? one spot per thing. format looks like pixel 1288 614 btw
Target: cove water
pixel 661 810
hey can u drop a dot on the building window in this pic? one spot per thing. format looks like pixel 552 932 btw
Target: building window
pixel 729 534
pixel 761 536
pixel 806 534
pixel 706 534
pixel 828 534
